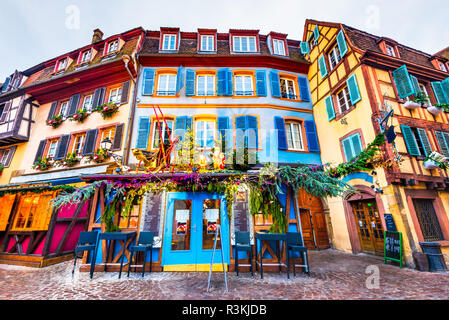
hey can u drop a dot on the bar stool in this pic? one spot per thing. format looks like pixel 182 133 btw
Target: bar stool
pixel 243 243
pixel 145 244
pixel 86 242
pixel 294 244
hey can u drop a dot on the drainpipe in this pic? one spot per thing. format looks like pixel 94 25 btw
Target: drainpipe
pixel 131 110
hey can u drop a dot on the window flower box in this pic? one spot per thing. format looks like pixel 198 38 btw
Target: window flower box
pixel 70 160
pixel 55 121
pixel 435 110
pixel 79 116
pixel 108 110
pixel 435 160
pixel 412 105
pixel 43 164
pixel 99 156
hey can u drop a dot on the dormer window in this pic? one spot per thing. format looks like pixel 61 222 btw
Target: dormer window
pixel 85 56
pixel 442 66
pixel 112 47
pixel 62 65
pixel 244 44
pixel 279 47
pixel 169 42
pixel 390 51
pixel 207 43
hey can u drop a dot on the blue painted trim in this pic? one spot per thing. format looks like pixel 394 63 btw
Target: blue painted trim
pixel 359 175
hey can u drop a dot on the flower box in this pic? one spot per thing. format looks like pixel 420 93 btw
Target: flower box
pixel 430 165
pixel 412 105
pixel 55 121
pixel 435 110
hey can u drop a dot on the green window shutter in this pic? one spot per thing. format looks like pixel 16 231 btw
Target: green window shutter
pixel 322 65
pixel 347 149
pixel 444 148
pixel 445 86
pixel 341 41
pixel 415 84
pixel 330 108
pixel 356 144
pixel 352 146
pixel 410 141
pixel 424 141
pixel 316 33
pixel 354 92
pixel 439 92
pixel 305 48
pixel 403 82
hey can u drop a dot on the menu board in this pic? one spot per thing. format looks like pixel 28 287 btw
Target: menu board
pixel 393 246
pixel 389 222
pixel 152 216
pixel 241 218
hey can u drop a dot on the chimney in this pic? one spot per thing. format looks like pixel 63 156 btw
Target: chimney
pixel 98 36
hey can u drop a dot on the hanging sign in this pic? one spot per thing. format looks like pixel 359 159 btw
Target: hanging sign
pixel 393 246
pixel 181 228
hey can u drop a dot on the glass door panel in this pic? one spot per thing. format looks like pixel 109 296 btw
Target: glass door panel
pixel 211 217
pixel 181 233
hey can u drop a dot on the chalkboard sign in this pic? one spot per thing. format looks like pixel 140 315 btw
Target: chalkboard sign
pixel 389 222
pixel 151 216
pixel 241 219
pixel 393 246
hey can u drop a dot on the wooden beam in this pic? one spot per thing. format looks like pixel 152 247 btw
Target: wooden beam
pixel 69 228
pixel 50 231
pixel 33 245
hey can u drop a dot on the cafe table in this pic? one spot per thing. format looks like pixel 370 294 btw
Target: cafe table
pixel 262 241
pixel 126 237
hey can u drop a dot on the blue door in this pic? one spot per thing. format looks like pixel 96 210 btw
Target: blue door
pixel 190 224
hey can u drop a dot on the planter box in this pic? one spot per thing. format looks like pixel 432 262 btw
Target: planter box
pixel 430 165
pixel 412 105
pixel 434 110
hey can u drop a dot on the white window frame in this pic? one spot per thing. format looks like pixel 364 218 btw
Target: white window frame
pixel 334 57
pixel 287 80
pixel 62 64
pixel 424 90
pixel 115 95
pixel 88 103
pixel 390 51
pixel 52 149
pixel 4 154
pixel 163 130
pixel 169 43
pixel 293 143
pixel 84 54
pixel 279 47
pixel 80 144
pixel 245 91
pixel 206 88
pixel 112 46
pixel 442 66
pixel 346 99
pixel 203 143
pixel 205 43
pixel 240 43
pixel 63 109
pixel 163 87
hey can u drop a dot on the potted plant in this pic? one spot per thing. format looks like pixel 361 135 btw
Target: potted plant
pixel 70 160
pixel 43 164
pixel 99 156
pixel 79 116
pixel 55 121
pixel 435 160
pixel 438 108
pixel 108 110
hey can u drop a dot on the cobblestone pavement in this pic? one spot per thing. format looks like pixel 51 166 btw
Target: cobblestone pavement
pixel 334 275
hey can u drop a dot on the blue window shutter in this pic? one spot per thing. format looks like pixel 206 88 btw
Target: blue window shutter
pixel 305 48
pixel 349 154
pixel 410 140
pixel 403 82
pixel 424 141
pixel 240 124
pixel 189 123
pixel 322 65
pixel 221 81
pixel 143 133
pixel 190 82
pixel 63 145
pixel 356 144
pixel 275 85
pixel 6 84
pixel 354 92
pixel 312 137
pixel 415 84
pixel 330 108
pixel 40 151
pixel 229 83
pixel 222 125
pixel 279 125
pixel 342 45
pixel 148 82
pixel 179 79
pixel 303 89
pixel 316 33
pixel 253 142
pixel 261 83
pixel 89 144
pixel 439 92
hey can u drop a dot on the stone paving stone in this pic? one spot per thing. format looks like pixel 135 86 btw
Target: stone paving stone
pixel 334 275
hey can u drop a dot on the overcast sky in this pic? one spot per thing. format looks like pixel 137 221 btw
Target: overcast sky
pixel 38 30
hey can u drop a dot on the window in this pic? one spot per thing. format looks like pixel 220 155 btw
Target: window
pixel 2 108
pixel 62 64
pixel 33 213
pixel 78 144
pixel 4 154
pixel 244 44
pixel 108 133
pixel 169 42
pixel 63 108
pixel 205 85
pixel 352 146
pixel 207 43
pixel 131 220
pixel 112 47
pixel 288 88
pixel 85 56
pixel 344 100
pixel 87 103
pixel 334 57
pixel 279 47
pixel 205 131
pixel 424 90
pixel 166 131
pixel 244 85
pixel 115 95
pixel 312 44
pixel 390 50
pixel 442 66
pixel 294 135
pixel 166 85
pixel 52 149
